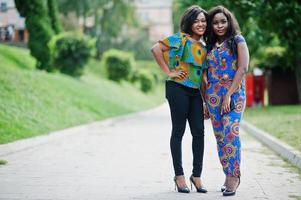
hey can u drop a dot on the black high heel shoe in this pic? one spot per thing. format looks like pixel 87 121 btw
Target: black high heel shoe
pixel 201 189
pixel 181 190
pixel 228 192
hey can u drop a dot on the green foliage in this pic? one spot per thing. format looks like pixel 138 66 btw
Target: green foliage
pixel 40 34
pixel 112 18
pixel 146 80
pixel 177 9
pixel 54 16
pixel 116 13
pixel 80 7
pixel 40 30
pixel 118 64
pixel 272 57
pixel 287 16
pixel 147 74
pixel 70 52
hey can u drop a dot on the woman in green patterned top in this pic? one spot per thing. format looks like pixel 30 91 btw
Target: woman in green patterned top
pixel 182 57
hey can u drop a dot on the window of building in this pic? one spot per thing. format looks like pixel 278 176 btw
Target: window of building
pixel 3 6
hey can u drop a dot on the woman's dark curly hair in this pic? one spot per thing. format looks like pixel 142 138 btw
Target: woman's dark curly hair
pixel 233 26
pixel 189 17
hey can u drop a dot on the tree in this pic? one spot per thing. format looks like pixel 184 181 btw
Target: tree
pixel 286 15
pixel 115 16
pixel 82 8
pixel 40 30
pixel 54 16
pixel 110 18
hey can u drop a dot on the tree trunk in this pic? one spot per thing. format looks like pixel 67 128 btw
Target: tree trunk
pixel 96 30
pixel 85 21
pixel 298 78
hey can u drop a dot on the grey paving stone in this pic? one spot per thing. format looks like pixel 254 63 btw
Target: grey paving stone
pixel 129 159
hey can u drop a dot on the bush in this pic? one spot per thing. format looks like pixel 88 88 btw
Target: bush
pixel 118 64
pixel 70 52
pixel 146 80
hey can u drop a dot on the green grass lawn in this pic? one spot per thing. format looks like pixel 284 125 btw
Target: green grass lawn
pixel 16 57
pixel 283 122
pixel 33 102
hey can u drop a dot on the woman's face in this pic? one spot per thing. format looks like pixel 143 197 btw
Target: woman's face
pixel 199 25
pixel 220 24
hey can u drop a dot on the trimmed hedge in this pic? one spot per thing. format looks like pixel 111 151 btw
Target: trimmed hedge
pixel 70 52
pixel 118 64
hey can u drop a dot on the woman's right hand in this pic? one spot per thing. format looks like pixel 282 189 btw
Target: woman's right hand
pixel 180 74
pixel 206 112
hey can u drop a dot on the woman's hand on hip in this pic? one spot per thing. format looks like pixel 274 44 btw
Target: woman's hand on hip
pixel 177 74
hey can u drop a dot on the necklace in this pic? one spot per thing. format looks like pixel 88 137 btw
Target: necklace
pixel 218 45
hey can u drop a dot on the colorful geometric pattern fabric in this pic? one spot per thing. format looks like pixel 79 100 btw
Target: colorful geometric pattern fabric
pixel 222 66
pixel 185 55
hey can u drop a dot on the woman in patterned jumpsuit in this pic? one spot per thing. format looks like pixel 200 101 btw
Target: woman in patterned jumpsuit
pixel 228 60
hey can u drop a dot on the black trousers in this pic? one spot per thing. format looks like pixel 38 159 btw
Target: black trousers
pixel 186 104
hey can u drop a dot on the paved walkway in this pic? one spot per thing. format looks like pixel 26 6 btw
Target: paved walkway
pixel 130 159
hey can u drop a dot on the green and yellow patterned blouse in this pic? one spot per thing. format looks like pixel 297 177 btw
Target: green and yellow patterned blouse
pixel 186 55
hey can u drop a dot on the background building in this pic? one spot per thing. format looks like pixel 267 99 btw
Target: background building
pixel 156 17
pixel 12 25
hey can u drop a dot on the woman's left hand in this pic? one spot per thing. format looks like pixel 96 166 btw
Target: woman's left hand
pixel 225 104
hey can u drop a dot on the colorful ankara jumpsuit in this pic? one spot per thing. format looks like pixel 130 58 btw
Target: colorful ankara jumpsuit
pixel 222 67
pixel 184 98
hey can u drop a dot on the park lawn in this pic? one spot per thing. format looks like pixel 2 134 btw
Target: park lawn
pixel 33 102
pixel 283 122
pixel 16 57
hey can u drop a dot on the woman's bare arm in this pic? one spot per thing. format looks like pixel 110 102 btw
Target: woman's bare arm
pixel 242 63
pixel 157 51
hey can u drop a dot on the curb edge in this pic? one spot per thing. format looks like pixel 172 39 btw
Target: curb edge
pixel 284 150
